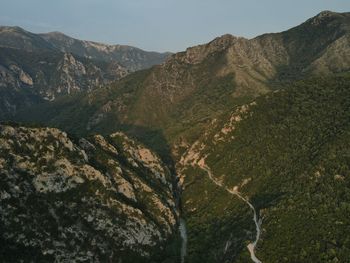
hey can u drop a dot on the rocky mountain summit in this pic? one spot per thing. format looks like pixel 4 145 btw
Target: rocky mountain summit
pixel 97 199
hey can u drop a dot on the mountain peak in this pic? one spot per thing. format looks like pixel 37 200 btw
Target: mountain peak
pixel 196 54
pixel 223 41
pixel 11 29
pixel 55 33
pixel 326 17
pixel 326 13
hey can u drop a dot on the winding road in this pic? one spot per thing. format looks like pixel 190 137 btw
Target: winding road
pixel 251 247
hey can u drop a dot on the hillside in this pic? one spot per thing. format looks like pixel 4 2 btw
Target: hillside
pixel 96 199
pixel 32 77
pixel 287 152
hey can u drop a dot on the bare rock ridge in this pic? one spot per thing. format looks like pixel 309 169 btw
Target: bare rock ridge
pixel 94 199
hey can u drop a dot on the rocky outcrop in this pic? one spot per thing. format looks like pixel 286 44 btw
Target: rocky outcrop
pixel 30 77
pixel 98 199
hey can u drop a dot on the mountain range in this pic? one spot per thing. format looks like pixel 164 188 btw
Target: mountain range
pixel 41 67
pixel 231 151
pixel 192 87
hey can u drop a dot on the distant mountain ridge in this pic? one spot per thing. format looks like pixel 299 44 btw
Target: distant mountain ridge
pixel 131 58
pixel 39 67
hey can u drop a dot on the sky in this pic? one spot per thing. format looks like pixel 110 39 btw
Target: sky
pixel 161 25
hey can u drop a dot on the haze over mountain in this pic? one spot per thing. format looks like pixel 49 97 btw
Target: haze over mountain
pixel 244 155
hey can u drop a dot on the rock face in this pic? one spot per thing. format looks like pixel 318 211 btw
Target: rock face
pixel 98 199
pixel 30 77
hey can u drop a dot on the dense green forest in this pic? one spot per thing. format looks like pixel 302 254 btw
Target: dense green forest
pixel 292 148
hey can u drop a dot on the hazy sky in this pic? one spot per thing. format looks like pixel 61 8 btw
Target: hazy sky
pixel 161 25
